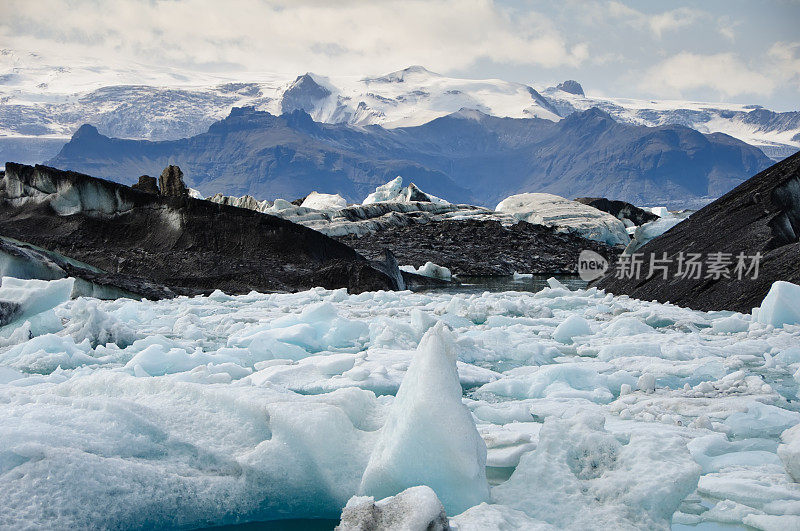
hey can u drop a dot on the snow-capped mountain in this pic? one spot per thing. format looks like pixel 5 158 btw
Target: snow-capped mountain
pixel 467 156
pixel 777 134
pixel 44 104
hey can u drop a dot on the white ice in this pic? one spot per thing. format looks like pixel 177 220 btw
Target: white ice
pixel 556 211
pixel 780 307
pixel 429 437
pixel 429 270
pixel 319 201
pixel 213 410
pixel 395 192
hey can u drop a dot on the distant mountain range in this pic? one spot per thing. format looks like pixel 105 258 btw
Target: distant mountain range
pixel 466 156
pixel 46 103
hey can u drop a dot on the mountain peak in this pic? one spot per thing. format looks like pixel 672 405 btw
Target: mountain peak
pixel 85 131
pixel 469 114
pixel 401 75
pixel 303 94
pixel 571 86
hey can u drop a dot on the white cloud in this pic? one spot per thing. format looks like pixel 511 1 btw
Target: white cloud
pixel 673 20
pixel 724 73
pixel 785 61
pixel 658 23
pixel 350 37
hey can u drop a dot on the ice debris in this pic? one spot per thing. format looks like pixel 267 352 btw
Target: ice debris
pixel 414 509
pixel 429 270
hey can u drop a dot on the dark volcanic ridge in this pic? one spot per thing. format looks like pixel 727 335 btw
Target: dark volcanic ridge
pixel 760 216
pixel 188 246
pixel 481 248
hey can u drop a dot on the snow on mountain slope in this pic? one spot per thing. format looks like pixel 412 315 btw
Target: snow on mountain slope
pixel 41 102
pixel 776 134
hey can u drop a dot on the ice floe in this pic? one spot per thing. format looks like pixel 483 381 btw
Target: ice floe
pixel 557 409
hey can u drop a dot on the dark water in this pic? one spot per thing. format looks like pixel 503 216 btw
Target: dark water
pixel 299 524
pixel 508 283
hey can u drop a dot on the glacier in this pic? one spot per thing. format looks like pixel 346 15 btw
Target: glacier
pixel 593 410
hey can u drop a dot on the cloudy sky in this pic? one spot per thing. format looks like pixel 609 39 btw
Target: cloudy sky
pixel 714 50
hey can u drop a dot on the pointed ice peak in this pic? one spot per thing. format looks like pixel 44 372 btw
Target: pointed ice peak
pixel 429 437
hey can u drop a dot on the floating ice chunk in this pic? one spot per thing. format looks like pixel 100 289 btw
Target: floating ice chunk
pixel 781 305
pixel 416 508
pixel 789 452
pixel 429 270
pixel 563 380
pixel 573 326
pixel 761 420
pixel 556 211
pixel 626 326
pixel 485 517
pixel 730 325
pixel 319 201
pixel 429 437
pixel 394 192
pixel 158 360
pixel 789 356
pixel 661 211
pixel 30 297
pixel 624 350
pixel 522 276
pixel 646 383
pixel 605 484
pixel 773 522
pixel 45 353
pixel 88 321
pixel 715 452
pixel 648 231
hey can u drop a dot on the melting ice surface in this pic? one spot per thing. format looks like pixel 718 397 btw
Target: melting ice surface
pixel 596 411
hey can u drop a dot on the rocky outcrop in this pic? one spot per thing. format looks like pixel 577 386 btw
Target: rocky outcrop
pixel 185 244
pixel 147 184
pixel 619 209
pixel 761 216
pixel 571 86
pixel 171 182
pixel 23 260
pixel 481 247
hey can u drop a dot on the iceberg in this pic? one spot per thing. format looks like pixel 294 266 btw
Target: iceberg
pixel 395 192
pixel 429 437
pixel 429 270
pixel 781 306
pixel 580 471
pixel 556 211
pixel 24 298
pixel 318 201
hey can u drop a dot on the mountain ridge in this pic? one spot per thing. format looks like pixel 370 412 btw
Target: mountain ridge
pixel 467 156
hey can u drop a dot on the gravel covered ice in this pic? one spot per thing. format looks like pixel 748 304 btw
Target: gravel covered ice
pixel 557 409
